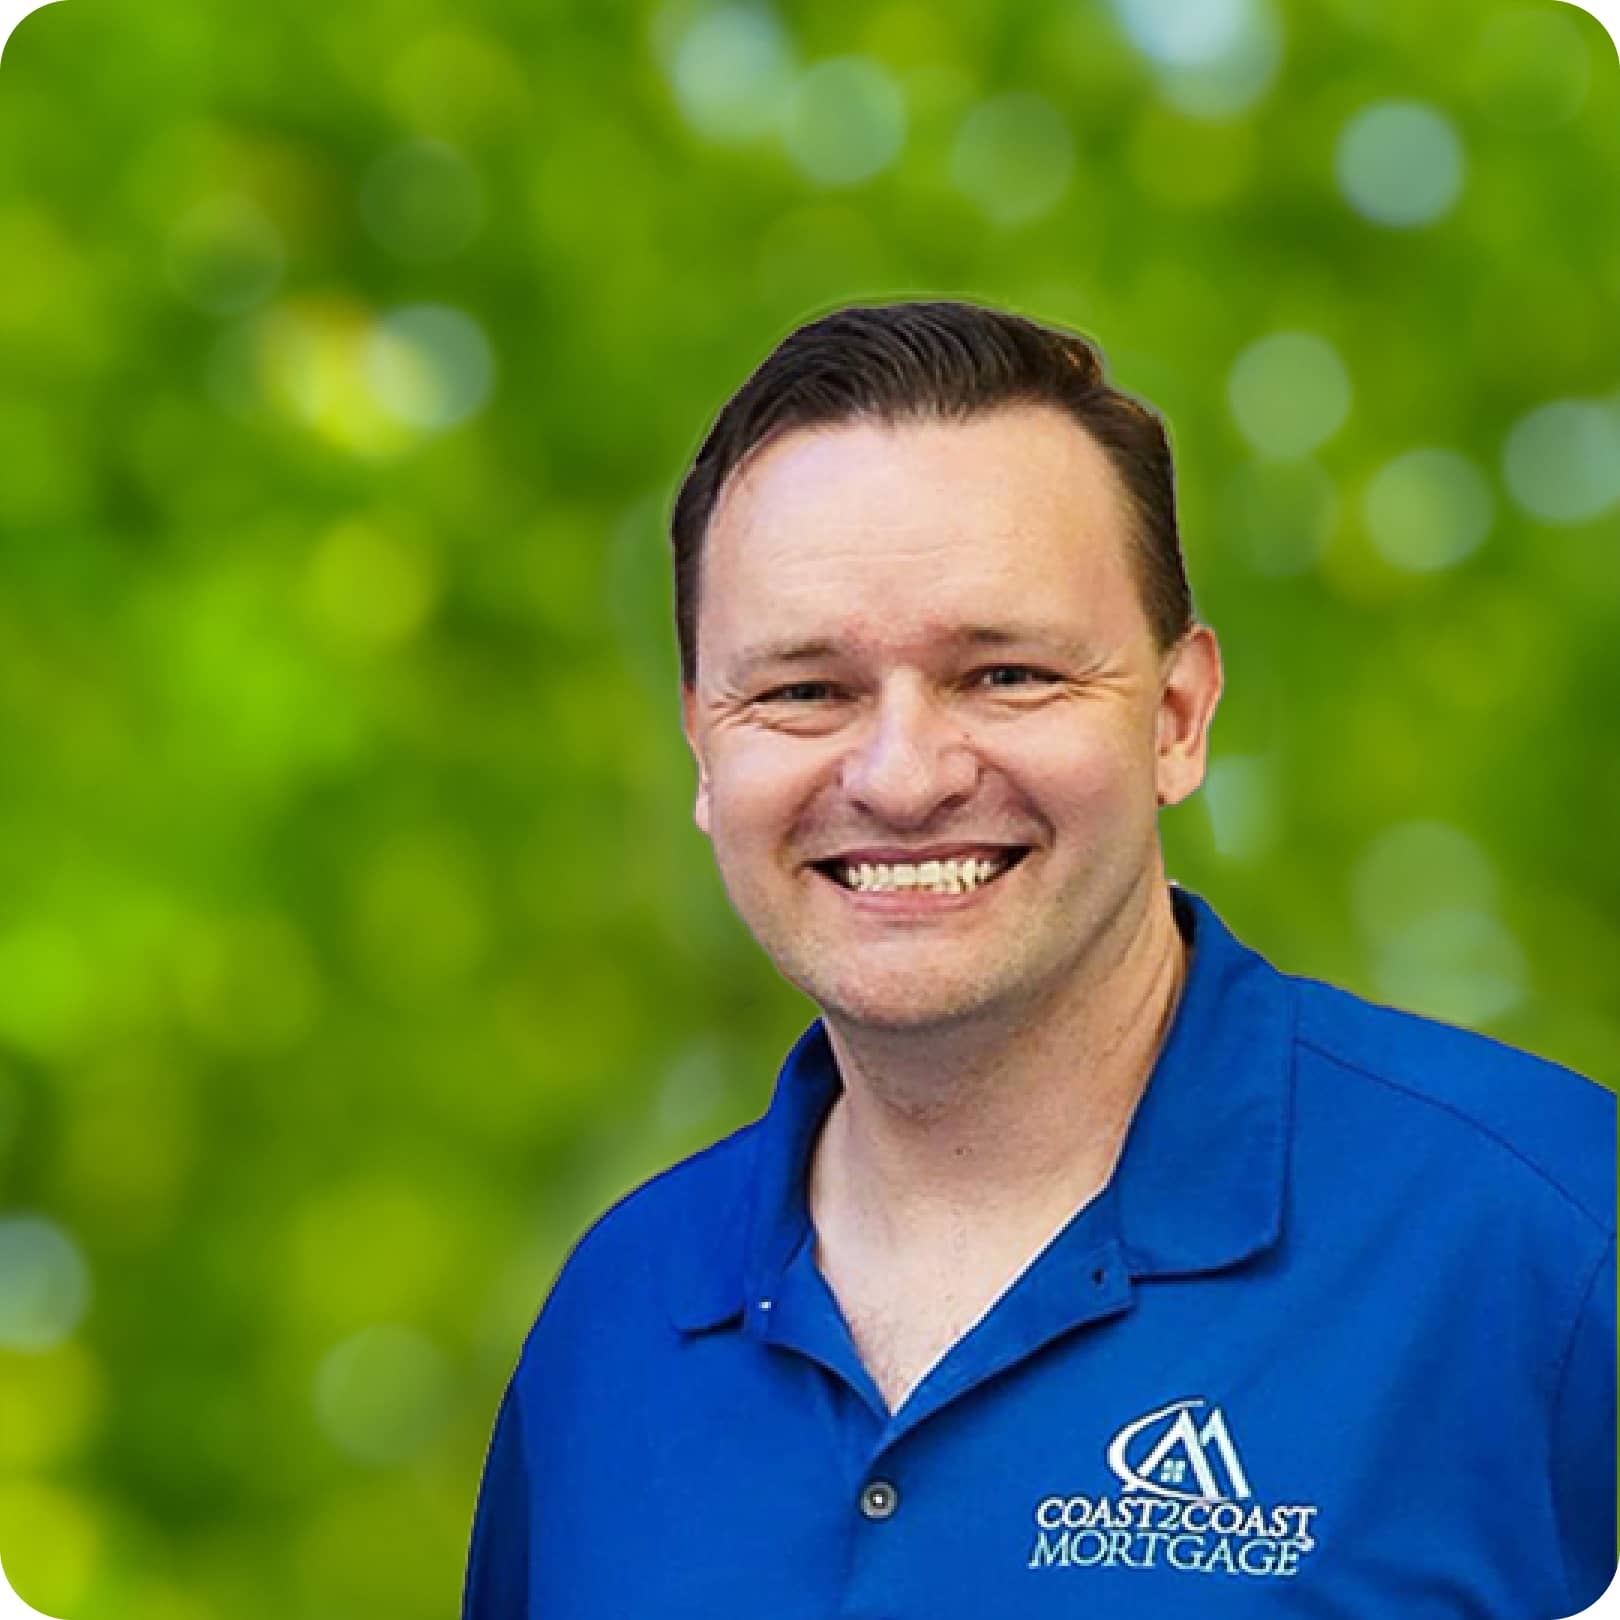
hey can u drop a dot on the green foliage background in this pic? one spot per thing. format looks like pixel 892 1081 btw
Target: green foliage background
pixel 356 947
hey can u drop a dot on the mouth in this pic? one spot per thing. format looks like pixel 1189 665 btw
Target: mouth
pixel 957 875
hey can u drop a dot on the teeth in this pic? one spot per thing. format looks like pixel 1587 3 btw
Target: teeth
pixel 934 877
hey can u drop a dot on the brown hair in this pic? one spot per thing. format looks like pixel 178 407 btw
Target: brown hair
pixel 937 362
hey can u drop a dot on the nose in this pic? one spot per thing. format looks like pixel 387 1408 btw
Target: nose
pixel 909 760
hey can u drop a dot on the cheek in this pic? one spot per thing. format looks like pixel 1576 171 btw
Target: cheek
pixel 759 788
pixel 1094 765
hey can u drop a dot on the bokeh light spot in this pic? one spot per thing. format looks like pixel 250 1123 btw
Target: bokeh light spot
pixel 44 1283
pixel 731 70
pixel 1211 58
pixel 1240 798
pixel 1233 82
pixel 475 88
pixel 1416 868
pixel 844 121
pixel 1460 966
pixel 422 201
pixel 1289 393
pixel 1424 895
pixel 307 362
pixel 692 1088
pixel 1400 164
pixel 1014 156
pixel 429 366
pixel 1428 509
pixel 368 586
pixel 381 1394
pixel 1184 33
pixel 1561 462
pixel 225 257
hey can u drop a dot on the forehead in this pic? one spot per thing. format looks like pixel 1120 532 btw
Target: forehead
pixel 920 525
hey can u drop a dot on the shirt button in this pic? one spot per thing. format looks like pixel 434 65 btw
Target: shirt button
pixel 879 1500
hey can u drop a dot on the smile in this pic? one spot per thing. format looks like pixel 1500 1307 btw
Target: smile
pixel 922 877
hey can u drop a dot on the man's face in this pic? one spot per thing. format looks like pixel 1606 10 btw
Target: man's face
pixel 925 643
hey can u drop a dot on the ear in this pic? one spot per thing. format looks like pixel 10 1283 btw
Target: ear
pixel 689 727
pixel 1191 688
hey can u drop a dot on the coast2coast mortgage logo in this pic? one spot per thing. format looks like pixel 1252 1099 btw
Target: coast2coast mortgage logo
pixel 1187 1505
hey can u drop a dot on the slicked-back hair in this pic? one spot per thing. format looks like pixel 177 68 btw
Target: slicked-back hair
pixel 937 362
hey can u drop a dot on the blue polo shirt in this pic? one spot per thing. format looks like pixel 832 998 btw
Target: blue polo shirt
pixel 1337 1340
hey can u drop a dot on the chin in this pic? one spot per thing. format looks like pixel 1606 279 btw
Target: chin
pixel 898 1008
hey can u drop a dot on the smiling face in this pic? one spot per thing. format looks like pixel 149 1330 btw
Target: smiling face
pixel 922 643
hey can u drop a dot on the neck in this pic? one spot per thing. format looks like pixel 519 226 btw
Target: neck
pixel 1002 1125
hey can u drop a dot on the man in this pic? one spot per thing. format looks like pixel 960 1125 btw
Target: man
pixel 1083 1263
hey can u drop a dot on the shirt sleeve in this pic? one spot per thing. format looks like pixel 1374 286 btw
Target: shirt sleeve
pixel 497 1584
pixel 1584 1444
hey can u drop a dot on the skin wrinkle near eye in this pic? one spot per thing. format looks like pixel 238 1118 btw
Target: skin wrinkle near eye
pixel 1038 639
pixel 1043 678
pixel 1026 696
pixel 773 712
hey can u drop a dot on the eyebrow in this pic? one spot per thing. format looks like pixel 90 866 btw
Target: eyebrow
pixel 776 654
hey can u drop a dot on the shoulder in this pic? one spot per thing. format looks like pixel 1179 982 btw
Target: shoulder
pixel 1521 1115
pixel 694 1198
pixel 674 1234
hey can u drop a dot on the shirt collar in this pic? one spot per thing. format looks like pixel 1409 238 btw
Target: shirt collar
pixel 1199 1185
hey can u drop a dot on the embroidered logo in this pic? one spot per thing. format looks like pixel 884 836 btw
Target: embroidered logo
pixel 1181 1452
pixel 1187 1506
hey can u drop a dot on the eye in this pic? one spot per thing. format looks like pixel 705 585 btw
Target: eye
pixel 798 692
pixel 1006 675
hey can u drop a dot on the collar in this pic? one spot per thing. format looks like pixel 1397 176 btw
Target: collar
pixel 1200 1182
